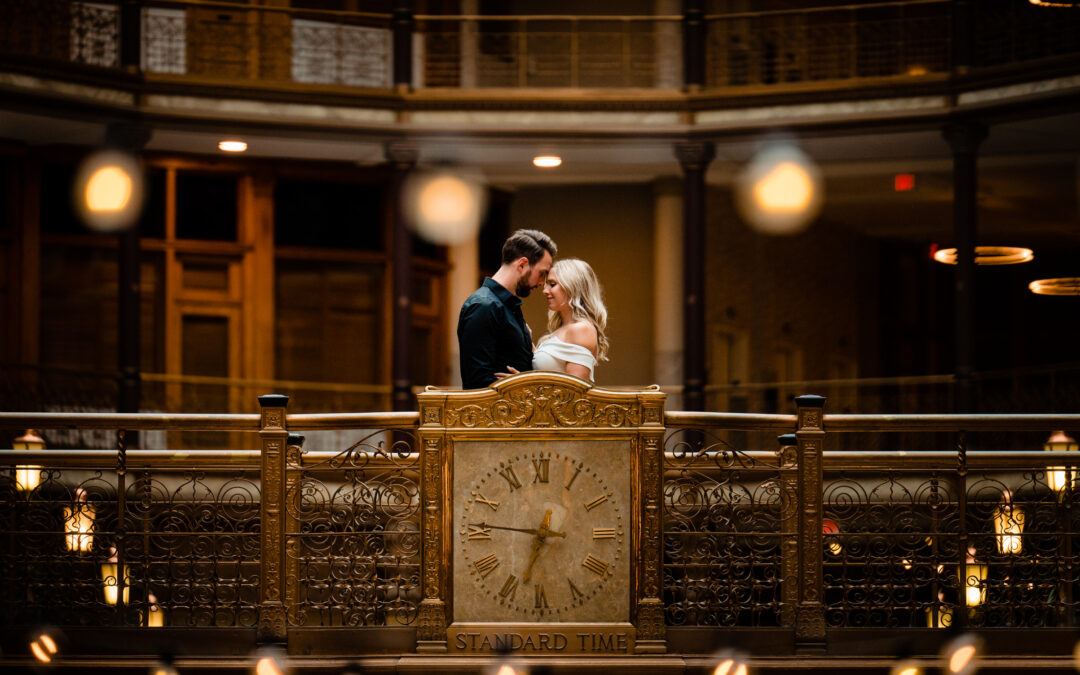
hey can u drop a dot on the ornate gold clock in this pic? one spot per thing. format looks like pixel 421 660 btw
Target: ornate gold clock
pixel 541 518
pixel 541 531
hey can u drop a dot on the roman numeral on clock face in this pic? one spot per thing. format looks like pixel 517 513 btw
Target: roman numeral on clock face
pixel 541 467
pixel 485 565
pixel 509 588
pixel 595 565
pixel 494 505
pixel 480 532
pixel 511 477
pixel 575 592
pixel 597 533
pixel 596 502
pixel 541 598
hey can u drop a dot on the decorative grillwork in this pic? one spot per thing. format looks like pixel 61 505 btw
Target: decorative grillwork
pixel 551 52
pixel 800 46
pixel 164 44
pixel 722 534
pixel 330 53
pixel 903 555
pixel 95 34
pixel 181 548
pixel 353 534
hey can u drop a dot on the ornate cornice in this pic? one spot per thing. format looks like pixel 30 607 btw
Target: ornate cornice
pixel 541 400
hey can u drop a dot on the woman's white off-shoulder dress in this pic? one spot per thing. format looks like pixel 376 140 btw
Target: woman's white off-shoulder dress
pixel 553 354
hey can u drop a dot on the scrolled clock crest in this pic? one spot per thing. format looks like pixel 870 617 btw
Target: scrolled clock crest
pixel 544 400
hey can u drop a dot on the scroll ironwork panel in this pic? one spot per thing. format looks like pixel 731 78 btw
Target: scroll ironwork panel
pixel 181 548
pixel 352 533
pixel 722 534
pixel 898 554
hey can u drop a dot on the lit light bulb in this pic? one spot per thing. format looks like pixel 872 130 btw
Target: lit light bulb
pixel 232 146
pixel 547 161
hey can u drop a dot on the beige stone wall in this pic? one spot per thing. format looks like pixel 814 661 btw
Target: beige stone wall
pixel 797 296
pixel 611 228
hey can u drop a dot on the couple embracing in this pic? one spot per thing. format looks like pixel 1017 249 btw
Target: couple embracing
pixel 493 338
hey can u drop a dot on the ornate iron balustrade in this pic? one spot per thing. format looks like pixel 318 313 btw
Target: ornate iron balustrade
pixel 800 538
pixel 259 43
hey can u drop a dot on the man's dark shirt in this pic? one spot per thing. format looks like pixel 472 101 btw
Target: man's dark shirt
pixel 492 335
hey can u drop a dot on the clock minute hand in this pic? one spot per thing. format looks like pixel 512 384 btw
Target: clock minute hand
pixel 541 532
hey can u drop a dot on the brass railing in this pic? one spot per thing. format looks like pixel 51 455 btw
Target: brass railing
pixel 208 41
pixel 298 534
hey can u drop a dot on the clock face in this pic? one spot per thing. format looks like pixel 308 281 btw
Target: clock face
pixel 541 531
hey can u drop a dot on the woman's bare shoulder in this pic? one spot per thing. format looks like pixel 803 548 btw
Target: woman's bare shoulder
pixel 581 333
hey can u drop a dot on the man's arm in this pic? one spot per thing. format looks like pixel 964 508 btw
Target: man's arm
pixel 478 328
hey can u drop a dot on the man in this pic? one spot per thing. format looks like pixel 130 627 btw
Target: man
pixel 492 335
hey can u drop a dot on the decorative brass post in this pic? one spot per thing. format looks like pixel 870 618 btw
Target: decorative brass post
pixel 294 453
pixel 652 631
pixel 274 435
pixel 810 610
pixel 789 528
pixel 431 632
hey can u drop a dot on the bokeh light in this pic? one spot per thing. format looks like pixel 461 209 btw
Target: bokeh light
pixel 730 662
pixel 44 647
pixel 109 190
pixel 962 655
pixel 269 661
pixel 445 207
pixel 779 192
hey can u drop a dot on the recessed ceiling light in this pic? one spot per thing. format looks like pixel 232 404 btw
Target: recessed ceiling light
pixel 547 161
pixel 232 146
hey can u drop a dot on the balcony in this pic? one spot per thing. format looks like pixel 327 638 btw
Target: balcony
pixel 773 547
pixel 426 60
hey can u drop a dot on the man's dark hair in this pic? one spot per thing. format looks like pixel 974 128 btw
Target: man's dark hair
pixel 529 244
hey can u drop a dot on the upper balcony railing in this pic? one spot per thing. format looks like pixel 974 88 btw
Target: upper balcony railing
pixel 220 41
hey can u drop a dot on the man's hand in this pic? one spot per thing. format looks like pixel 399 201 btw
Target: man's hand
pixel 513 371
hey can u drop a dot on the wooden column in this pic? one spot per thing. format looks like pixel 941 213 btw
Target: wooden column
pixel 402 32
pixel 129 138
pixel 402 158
pixel 809 440
pixel 964 139
pixel 131 35
pixel 694 159
pixel 274 436
pixel 693 45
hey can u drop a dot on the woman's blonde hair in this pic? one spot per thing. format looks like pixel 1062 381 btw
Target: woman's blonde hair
pixel 585 297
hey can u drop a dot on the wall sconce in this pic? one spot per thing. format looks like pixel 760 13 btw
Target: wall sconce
pixel 155 616
pixel 974 581
pixel 27 478
pixel 78 523
pixel 1059 477
pixel 1008 525
pixel 832 543
pixel 110 576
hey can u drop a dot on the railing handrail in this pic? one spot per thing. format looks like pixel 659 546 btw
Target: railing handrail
pixel 855 460
pixel 673 419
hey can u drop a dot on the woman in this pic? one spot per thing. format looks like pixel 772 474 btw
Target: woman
pixel 576 321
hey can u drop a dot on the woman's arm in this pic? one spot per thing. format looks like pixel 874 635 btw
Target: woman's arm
pixel 580 333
